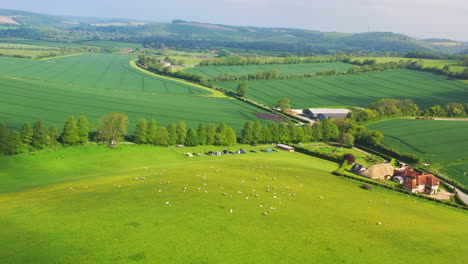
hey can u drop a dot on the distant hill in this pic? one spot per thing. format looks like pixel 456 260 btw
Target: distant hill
pixel 182 33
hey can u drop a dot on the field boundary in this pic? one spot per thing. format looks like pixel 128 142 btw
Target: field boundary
pixel 214 93
pixel 63 56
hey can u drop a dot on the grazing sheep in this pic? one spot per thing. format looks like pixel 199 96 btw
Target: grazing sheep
pixel 143 178
pixel 239 191
pixel 205 184
pixel 168 202
pixel 222 188
pixel 261 205
pixel 273 178
pixel 225 194
pixel 274 196
pixel 199 188
pixel 256 195
pixel 71 188
pixel 136 178
pixel 265 213
pixel 119 186
pixel 206 191
pixel 379 223
pixel 230 211
pixel 267 190
pixel 246 197
pixel 321 197
pixel 86 187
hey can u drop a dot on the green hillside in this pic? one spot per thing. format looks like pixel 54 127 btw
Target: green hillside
pixel 91 209
pixel 361 90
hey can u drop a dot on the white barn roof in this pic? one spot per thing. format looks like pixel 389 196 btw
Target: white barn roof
pixel 329 111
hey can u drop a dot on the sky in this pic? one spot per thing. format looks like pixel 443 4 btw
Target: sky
pixel 416 18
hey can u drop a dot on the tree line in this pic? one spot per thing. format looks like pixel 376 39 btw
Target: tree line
pixel 237 60
pixel 386 108
pixel 152 64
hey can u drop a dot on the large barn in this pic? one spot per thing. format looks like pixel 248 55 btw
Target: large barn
pixel 323 113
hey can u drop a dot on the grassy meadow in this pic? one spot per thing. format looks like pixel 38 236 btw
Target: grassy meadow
pixel 83 205
pixel 436 142
pixel 285 69
pixel 97 84
pixel 360 90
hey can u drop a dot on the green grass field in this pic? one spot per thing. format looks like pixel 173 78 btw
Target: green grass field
pixel 25 52
pixel 361 157
pixel 285 69
pixel 82 205
pixel 7 45
pixel 437 142
pixel 97 84
pixel 361 90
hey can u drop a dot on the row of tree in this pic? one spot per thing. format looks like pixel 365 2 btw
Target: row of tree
pixel 38 136
pixel 153 64
pixel 237 60
pixel 385 108
pixel 150 133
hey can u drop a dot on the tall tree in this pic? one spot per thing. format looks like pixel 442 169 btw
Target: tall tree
pixel 15 144
pixel 257 132
pixel 284 104
pixel 151 132
pixel 346 139
pixel 3 138
pixel 141 131
pixel 298 134
pixel 162 137
pixel 210 134
pixel 181 132
pixel 247 134
pixel 267 137
pixel 27 136
pixel 112 127
pixel 192 137
pixel 330 130
pixel 242 89
pixel 39 138
pixel 221 132
pixel 230 137
pixel 70 132
pixel 53 136
pixel 172 130
pixel 201 131
pixel 284 133
pixel 317 131
pixel 82 128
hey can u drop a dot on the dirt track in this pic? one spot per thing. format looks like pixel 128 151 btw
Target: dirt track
pixel 446 119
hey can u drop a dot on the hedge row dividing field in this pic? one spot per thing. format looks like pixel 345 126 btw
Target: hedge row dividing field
pixel 97 84
pixel 434 141
pixel 154 205
pixel 426 89
pixel 285 69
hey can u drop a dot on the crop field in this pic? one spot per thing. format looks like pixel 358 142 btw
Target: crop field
pixel 360 90
pixel 81 206
pixel 6 45
pixel 434 141
pixel 41 43
pixel 457 172
pixel 285 69
pixel 97 84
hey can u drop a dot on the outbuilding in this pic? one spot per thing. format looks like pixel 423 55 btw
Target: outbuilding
pixel 323 113
pixel 382 171
pixel 285 147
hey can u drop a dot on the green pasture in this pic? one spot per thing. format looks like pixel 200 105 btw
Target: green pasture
pixel 42 42
pixel 83 205
pixel 6 45
pixel 285 69
pixel 426 89
pixel 26 52
pixel 361 157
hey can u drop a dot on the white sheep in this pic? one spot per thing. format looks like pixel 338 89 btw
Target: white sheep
pixel 230 211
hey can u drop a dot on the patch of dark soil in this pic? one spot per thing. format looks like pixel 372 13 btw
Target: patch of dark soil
pixel 268 116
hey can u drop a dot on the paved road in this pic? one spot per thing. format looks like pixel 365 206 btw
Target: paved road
pixel 462 196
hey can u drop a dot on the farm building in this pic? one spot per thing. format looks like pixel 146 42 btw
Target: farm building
pixel 357 168
pixel 323 113
pixel 285 147
pixel 382 171
pixel 427 183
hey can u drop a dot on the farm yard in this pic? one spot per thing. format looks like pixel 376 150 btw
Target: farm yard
pixel 96 84
pixel 360 90
pixel 436 142
pixel 252 208
pixel 284 69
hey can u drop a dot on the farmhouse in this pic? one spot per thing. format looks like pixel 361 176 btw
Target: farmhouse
pixel 427 183
pixel 382 171
pixel 323 113
pixel 285 147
